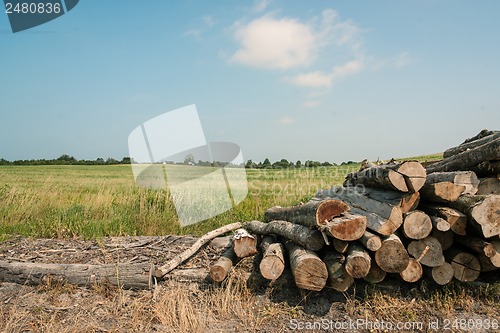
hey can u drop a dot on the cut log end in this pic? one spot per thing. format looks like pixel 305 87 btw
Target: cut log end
pixel 413 271
pixel 392 256
pixel 417 225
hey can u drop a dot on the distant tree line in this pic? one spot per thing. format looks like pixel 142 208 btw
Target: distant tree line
pixel 284 164
pixel 67 160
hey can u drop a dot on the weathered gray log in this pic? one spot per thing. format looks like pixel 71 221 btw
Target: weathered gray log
pixel 376 274
pixel 220 270
pixel 357 262
pixel 309 272
pixel 427 251
pixel 466 266
pixel 483 212
pixel 442 275
pixel 406 201
pixel 310 239
pixel 311 214
pixel 273 260
pixel 183 256
pixel 392 256
pixel 488 186
pixel 338 279
pixel 413 272
pixel 441 192
pixel 382 217
pixel 487 168
pixel 456 219
pixel 340 246
pixel 471 144
pixel 440 224
pixel 468 159
pixel 466 178
pixel 371 241
pixel 417 225
pixel 477 245
pixel 347 227
pixel 128 276
pixel 445 238
pixel 408 176
pixel 244 244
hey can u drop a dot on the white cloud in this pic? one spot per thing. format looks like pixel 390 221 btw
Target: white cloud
pixel 400 60
pixel 275 43
pixel 285 121
pixel 311 104
pixel 261 5
pixel 209 21
pixel 319 79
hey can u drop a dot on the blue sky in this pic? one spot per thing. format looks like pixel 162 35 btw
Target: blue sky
pixel 321 80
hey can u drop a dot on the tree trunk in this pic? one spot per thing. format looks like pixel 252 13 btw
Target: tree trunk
pixel 468 159
pixel 376 274
pixel 405 201
pixel 408 176
pixel 440 224
pixel 392 256
pixel 471 144
pixel 487 168
pixel 413 271
pixel 273 259
pixel 417 225
pixel 338 279
pixel 466 178
pixel 441 192
pixel 309 272
pixel 456 219
pixel 310 239
pixel 128 276
pixel 477 245
pixel 483 212
pixel 358 261
pixel 427 251
pixel 221 268
pixel 382 217
pixel 371 241
pixel 466 267
pixel 347 227
pixel 340 246
pixel 312 214
pixel 445 238
pixel 244 244
pixel 489 186
pixel 442 275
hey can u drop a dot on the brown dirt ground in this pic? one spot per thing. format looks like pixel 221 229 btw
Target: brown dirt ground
pixel 201 306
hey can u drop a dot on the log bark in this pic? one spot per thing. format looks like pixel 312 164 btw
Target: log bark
pixel 471 144
pixel 489 186
pixel 408 176
pixel 310 239
pixel 392 256
pixel 445 238
pixel 442 275
pixel 468 159
pixel 180 258
pixel 441 192
pixel 340 245
pixel 358 261
pixel 482 211
pixel 311 214
pixel 338 279
pixel 220 270
pixel 477 245
pixel 405 201
pixel 347 227
pixel 466 267
pixel 244 244
pixel 417 225
pixel 487 168
pixel 382 217
pixel 376 274
pixel 309 272
pixel 371 241
pixel 466 178
pixel 427 251
pixel 413 271
pixel 456 219
pixel 273 260
pixel 128 276
pixel 440 224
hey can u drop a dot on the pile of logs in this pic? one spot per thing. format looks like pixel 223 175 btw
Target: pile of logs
pixel 441 221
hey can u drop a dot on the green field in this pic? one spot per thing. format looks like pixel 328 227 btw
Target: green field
pixel 97 201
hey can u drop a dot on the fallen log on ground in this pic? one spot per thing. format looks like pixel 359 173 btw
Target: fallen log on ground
pixel 338 279
pixel 440 274
pixel 244 244
pixel 309 272
pixel 413 272
pixel 392 256
pixel 416 225
pixel 220 270
pixel 466 267
pixel 427 251
pixel 273 260
pixel 376 274
pixel 357 262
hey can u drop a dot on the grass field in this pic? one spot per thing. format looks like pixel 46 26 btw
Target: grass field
pixel 97 201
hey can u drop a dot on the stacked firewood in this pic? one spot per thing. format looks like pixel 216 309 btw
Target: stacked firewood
pixel 396 218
